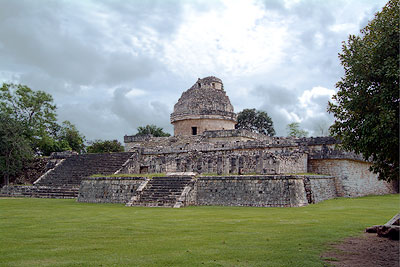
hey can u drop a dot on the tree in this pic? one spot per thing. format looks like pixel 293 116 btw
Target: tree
pixel 99 146
pixel 15 148
pixel 34 109
pixel 295 131
pixel 255 121
pixel 70 135
pixel 36 113
pixel 153 130
pixel 366 107
pixel 48 144
pixel 28 126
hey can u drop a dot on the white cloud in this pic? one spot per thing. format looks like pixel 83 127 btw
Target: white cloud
pixel 134 93
pixel 236 40
pixel 309 96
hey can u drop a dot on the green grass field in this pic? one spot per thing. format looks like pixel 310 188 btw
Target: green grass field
pixel 49 232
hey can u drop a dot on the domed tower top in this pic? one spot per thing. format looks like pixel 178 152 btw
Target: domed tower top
pixel 205 106
pixel 210 82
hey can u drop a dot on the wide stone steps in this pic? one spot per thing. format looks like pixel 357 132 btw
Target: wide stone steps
pixel 63 181
pixel 161 192
pixel 76 167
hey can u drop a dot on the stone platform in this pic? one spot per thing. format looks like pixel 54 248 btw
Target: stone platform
pixel 239 190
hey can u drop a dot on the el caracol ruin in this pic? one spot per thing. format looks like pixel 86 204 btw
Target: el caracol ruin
pixel 208 162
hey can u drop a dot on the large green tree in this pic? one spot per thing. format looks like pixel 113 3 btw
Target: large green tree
pixel 366 106
pixel 36 112
pixel 106 146
pixel 69 134
pixel 15 149
pixel 34 109
pixel 256 121
pixel 153 130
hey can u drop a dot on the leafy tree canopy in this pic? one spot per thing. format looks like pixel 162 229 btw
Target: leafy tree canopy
pixel 15 148
pixel 36 113
pixel 153 130
pixel 294 130
pixel 34 109
pixel 70 135
pixel 256 121
pixel 366 107
pixel 99 146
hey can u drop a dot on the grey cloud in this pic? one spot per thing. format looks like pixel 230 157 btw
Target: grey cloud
pixel 274 99
pixel 45 82
pixel 114 117
pixel 162 15
pixel 275 94
pixel 277 100
pixel 275 5
pixel 314 44
pixel 65 40
pixel 369 15
pixel 320 12
pixel 124 68
pixel 318 125
pixel 94 122
pixel 139 111
pixel 320 101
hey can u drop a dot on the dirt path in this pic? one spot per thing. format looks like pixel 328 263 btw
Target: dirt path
pixel 368 250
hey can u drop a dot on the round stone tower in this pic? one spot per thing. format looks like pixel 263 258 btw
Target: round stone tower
pixel 204 107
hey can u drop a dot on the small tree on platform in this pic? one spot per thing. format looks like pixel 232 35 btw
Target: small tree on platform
pixel 294 130
pixel 256 121
pixel 106 146
pixel 153 130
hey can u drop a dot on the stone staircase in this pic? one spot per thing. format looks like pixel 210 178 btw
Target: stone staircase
pixel 63 179
pixel 162 192
pixel 73 169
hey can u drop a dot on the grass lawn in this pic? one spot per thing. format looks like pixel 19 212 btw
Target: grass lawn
pixel 66 233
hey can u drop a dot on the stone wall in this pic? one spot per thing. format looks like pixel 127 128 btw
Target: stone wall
pixel 353 177
pixel 205 154
pixel 108 189
pixel 39 191
pixel 239 190
pixel 220 161
pixel 184 127
pixel 258 191
pixel 235 135
pixel 320 188
pixel 318 147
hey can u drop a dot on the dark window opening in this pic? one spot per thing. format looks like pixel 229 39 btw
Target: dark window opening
pixel 199 84
pixel 213 85
pixel 194 130
pixel 144 169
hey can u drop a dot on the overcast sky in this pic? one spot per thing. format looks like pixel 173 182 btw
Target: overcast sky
pixel 112 66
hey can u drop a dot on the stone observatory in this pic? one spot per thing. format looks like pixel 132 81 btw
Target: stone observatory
pixel 208 162
pixel 203 107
